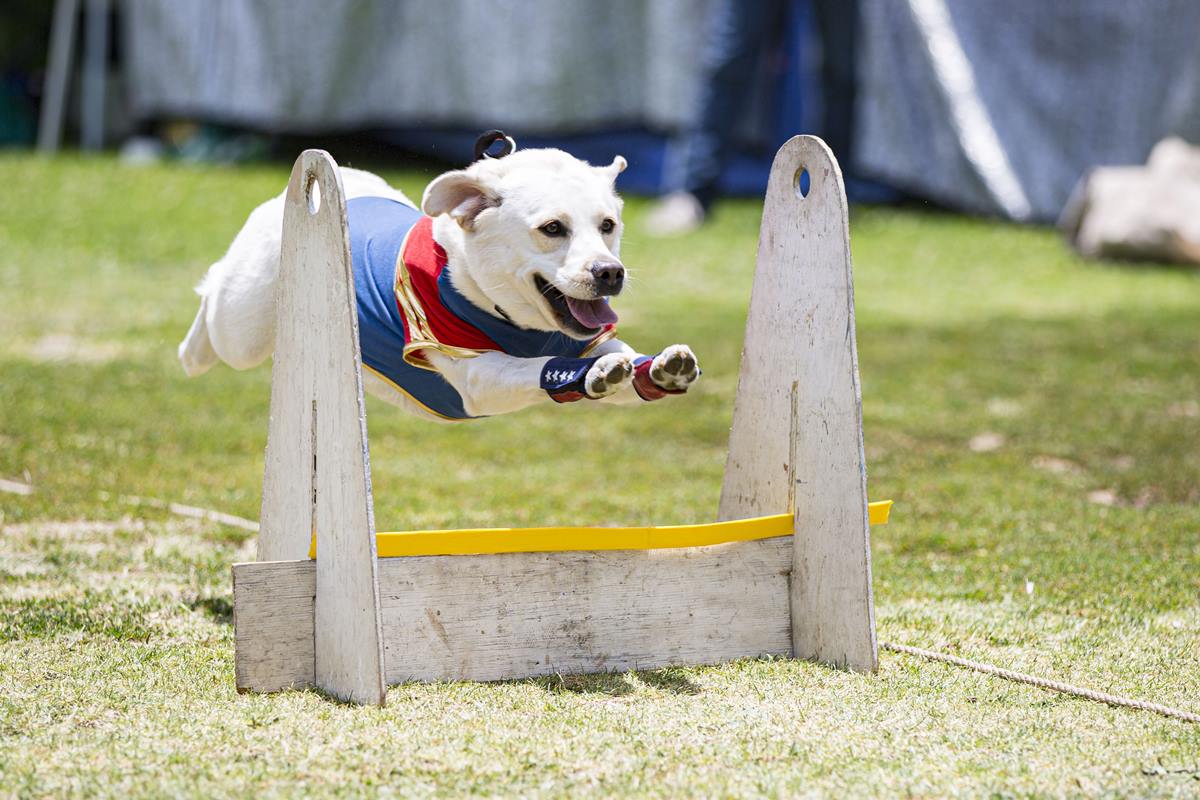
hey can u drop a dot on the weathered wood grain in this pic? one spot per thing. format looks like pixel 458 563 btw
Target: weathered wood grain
pixel 318 474
pixel 515 615
pixel 273 625
pixel 287 519
pixel 797 426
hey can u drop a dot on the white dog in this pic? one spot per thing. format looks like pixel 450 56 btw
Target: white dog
pixel 495 299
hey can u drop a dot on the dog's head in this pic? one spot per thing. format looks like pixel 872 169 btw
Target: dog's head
pixel 540 236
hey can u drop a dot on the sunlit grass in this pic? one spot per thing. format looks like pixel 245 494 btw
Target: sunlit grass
pixel 1036 418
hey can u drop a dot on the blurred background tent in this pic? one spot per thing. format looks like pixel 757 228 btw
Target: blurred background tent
pixel 1000 108
pixel 984 107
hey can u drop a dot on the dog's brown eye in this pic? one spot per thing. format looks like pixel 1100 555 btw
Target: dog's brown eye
pixel 608 226
pixel 553 228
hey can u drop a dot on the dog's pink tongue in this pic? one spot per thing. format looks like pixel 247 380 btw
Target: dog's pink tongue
pixel 592 313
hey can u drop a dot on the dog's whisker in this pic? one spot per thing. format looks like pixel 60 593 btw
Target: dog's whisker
pixel 490 287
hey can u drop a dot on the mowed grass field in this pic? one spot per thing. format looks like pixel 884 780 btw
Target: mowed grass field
pixel 1035 417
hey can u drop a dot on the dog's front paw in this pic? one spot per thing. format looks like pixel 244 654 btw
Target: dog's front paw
pixel 607 375
pixel 675 368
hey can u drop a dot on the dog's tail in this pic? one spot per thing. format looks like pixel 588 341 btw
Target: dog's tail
pixel 196 352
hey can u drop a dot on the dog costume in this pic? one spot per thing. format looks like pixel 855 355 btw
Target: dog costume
pixel 407 305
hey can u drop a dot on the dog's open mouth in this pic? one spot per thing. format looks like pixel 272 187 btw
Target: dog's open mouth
pixel 581 316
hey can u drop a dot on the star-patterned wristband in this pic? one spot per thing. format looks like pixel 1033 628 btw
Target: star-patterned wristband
pixel 563 378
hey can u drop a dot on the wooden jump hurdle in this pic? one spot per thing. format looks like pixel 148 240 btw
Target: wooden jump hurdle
pixel 350 623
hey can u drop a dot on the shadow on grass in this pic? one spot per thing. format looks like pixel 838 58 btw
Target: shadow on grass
pixel 218 609
pixel 613 684
pixel 670 680
pixel 620 684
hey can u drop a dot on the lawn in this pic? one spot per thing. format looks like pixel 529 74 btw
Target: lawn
pixel 1035 417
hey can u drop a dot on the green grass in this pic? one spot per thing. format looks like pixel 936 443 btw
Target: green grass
pixel 1070 548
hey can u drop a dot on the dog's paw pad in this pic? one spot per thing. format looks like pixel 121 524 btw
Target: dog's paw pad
pixel 607 375
pixel 675 368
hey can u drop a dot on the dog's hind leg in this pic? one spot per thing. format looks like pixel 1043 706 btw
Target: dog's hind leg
pixel 236 320
pixel 237 297
pixel 196 351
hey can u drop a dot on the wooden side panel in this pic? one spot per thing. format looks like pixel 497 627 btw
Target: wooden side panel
pixel 797 427
pixel 273 625
pixel 286 522
pixel 318 473
pixel 515 615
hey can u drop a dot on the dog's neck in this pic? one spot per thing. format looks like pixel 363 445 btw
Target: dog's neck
pixel 449 235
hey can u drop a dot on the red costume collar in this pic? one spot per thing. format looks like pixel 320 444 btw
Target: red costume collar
pixel 428 324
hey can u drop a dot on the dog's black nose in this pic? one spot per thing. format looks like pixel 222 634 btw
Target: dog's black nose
pixel 609 277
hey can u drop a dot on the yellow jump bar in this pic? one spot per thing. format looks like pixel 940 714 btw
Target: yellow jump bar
pixel 481 541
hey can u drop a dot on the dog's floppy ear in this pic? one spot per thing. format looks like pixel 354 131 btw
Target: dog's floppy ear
pixel 614 169
pixel 460 195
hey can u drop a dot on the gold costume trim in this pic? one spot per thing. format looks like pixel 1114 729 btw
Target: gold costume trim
pixel 414 358
pixel 601 338
pixel 419 404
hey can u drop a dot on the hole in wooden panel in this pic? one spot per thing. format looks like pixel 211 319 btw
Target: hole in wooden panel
pixel 802 182
pixel 312 193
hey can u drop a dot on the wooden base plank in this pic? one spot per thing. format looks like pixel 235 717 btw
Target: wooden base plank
pixel 273 625
pixel 517 615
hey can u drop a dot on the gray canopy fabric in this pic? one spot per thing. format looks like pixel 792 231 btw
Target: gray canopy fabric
pixel 304 65
pixel 1000 108
pixel 991 107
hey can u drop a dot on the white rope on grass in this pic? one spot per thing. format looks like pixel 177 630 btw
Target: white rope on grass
pixel 15 487
pixel 178 509
pixel 1043 683
pixel 181 510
